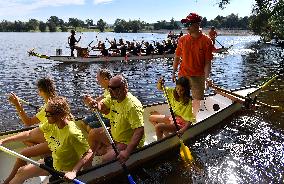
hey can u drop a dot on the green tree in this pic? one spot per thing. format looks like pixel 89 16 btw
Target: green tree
pixel 101 25
pixel 75 22
pixel 120 26
pixel 42 26
pixel 52 27
pixel 64 28
pixel 55 20
pixel 160 25
pixel 267 20
pixel 134 25
pixel 204 22
pixel 19 26
pixel 7 26
pixel 32 24
pixel 276 21
pixel 232 21
pixel 89 22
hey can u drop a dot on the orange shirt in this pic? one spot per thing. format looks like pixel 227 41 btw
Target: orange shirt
pixel 195 52
pixel 212 34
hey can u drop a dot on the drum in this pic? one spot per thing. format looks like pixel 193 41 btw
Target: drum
pixel 58 52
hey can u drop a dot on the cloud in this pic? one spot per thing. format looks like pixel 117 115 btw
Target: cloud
pixel 102 1
pixel 23 7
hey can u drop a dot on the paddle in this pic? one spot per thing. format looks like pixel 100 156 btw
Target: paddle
pixel 246 99
pixel 184 150
pixel 130 179
pixel 50 170
pixel 219 43
pixel 28 103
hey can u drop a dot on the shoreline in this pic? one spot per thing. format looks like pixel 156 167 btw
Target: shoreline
pixel 221 32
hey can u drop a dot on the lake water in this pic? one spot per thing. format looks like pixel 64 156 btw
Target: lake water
pixel 247 148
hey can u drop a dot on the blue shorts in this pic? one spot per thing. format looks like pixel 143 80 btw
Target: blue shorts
pixel 93 121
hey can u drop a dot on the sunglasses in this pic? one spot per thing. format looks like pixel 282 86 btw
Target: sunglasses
pixel 49 114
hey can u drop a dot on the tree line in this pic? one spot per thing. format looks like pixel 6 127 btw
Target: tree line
pixel 55 24
pixel 267 18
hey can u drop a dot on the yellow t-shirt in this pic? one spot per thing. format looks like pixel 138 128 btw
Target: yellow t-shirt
pixel 41 114
pixel 44 126
pixel 184 111
pixel 124 118
pixel 67 145
pixel 106 93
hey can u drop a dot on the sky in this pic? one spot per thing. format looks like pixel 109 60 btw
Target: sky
pixel 149 11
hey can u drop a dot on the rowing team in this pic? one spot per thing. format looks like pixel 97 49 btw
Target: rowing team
pixel 68 145
pixel 127 48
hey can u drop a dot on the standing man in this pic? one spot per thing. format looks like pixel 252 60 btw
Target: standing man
pixel 194 55
pixel 125 112
pixel 213 34
pixel 72 42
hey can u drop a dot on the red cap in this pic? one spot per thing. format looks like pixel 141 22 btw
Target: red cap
pixel 192 18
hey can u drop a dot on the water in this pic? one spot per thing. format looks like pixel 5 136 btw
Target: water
pixel 246 148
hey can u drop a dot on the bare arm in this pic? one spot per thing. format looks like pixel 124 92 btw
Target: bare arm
pixel 207 69
pixel 175 67
pixel 23 136
pixel 79 39
pixel 28 121
pixel 135 140
pixel 99 98
pixel 85 158
pixel 94 104
pixel 183 129
pixel 160 84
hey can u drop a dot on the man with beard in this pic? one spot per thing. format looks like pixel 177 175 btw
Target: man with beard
pixel 125 112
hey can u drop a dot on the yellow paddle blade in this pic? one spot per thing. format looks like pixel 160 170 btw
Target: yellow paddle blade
pixel 185 153
pixel 267 84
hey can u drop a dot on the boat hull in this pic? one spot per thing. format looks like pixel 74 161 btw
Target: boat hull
pixel 96 59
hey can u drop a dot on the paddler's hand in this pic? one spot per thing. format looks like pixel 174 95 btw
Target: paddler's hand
pixel 161 83
pixel 90 102
pixel 208 83
pixel 123 156
pixel 13 98
pixel 174 77
pixel 70 175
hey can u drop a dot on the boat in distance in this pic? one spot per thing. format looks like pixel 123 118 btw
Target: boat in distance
pixel 98 58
